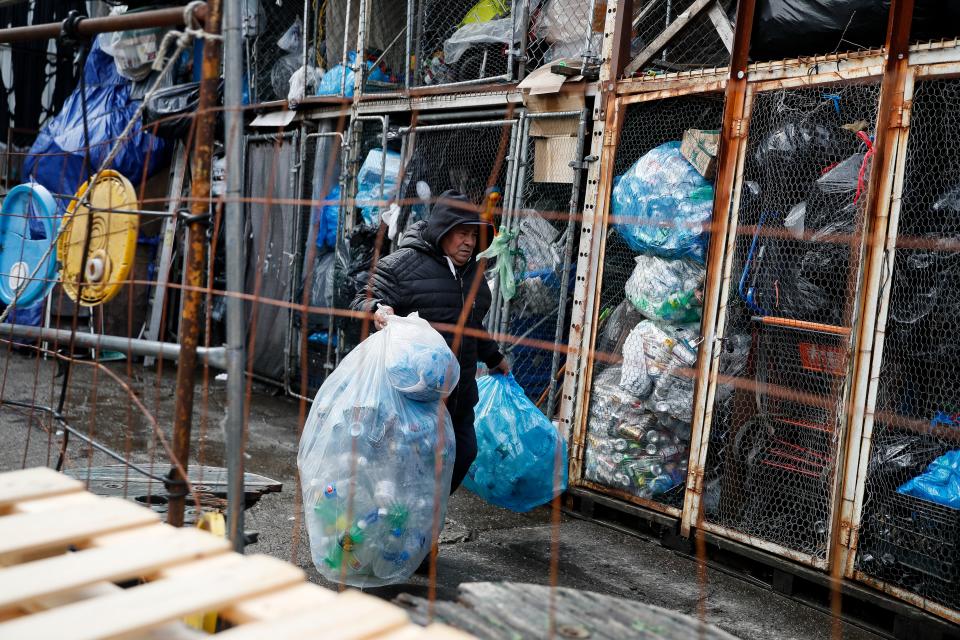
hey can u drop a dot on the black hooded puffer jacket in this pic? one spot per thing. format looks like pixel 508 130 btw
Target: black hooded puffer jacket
pixel 418 277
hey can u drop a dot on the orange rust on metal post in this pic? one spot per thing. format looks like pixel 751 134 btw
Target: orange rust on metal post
pixel 195 260
pixel 731 134
pixel 890 116
pixel 93 26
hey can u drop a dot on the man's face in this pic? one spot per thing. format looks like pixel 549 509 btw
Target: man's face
pixel 459 243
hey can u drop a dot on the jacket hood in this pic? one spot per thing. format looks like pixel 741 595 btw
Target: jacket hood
pixel 452 209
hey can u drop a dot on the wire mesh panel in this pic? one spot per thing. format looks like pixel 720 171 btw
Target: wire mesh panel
pixel 322 179
pixel 385 43
pixel 785 352
pixel 471 158
pixel 638 431
pixel 332 31
pixel 563 29
pixel 680 35
pixel 274 42
pixel 544 228
pixel 463 40
pixel 909 533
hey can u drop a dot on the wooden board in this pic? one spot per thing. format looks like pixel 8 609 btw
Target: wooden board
pixel 349 616
pixel 31 484
pixel 33 532
pixel 66 548
pixel 24 583
pixel 505 610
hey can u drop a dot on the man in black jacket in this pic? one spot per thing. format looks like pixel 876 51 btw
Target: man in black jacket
pixel 433 272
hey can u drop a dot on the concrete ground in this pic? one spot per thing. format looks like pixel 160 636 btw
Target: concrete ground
pixel 482 543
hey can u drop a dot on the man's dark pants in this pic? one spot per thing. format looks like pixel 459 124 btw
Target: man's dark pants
pixel 466 444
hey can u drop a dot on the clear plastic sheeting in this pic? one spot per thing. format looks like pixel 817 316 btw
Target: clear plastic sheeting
pixel 522 459
pixel 368 463
pixel 661 205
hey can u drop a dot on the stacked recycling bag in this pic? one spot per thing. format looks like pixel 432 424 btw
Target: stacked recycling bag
pixel 369 454
pixel 639 435
pixel 522 459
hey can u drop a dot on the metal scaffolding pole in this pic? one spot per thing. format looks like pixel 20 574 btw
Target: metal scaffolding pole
pixel 194 264
pixel 92 26
pixel 233 223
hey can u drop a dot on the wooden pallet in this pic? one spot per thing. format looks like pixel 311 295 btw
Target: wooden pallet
pixel 64 552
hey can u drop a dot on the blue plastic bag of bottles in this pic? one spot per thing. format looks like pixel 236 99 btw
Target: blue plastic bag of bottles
pixel 376 169
pixel 662 206
pixel 56 158
pixel 368 463
pixel 521 458
pixel 940 483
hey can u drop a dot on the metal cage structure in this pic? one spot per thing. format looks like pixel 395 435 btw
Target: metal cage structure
pixel 322 179
pixel 821 386
pixel 626 443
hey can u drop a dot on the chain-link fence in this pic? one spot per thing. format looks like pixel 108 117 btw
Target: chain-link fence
pixel 274 37
pixel 385 46
pixel 462 41
pixel 543 227
pixel 311 337
pixel 906 539
pixel 471 158
pixel 786 333
pixel 563 30
pixel 681 35
pixel 645 345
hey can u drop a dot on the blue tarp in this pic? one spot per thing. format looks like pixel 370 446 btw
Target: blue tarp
pixel 56 159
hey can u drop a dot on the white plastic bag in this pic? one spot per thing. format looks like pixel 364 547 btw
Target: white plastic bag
pixel 368 458
pixel 649 351
pixel 304 82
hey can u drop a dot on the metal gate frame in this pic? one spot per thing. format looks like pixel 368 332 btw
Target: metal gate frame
pixel 294 135
pixel 409 146
pixel 302 249
pixel 590 268
pixel 500 314
pixel 923 63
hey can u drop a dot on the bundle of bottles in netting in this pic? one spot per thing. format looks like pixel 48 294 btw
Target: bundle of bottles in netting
pixel 376 455
pixel 642 395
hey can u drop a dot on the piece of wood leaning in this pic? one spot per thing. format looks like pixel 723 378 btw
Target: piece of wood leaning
pixel 64 552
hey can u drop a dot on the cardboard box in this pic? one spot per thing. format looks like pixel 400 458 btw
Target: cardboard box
pixel 552 157
pixel 699 147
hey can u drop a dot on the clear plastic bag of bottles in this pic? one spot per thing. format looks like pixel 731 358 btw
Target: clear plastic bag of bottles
pixel 419 363
pixel 368 459
pixel 661 205
pixel 668 290
pixel 522 459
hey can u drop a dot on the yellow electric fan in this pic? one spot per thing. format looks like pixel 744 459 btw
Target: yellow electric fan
pixel 113 238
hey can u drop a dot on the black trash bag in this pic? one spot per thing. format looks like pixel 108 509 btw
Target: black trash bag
pixel 321 291
pixel 801 271
pixel 354 260
pixel 791 28
pixel 172 110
